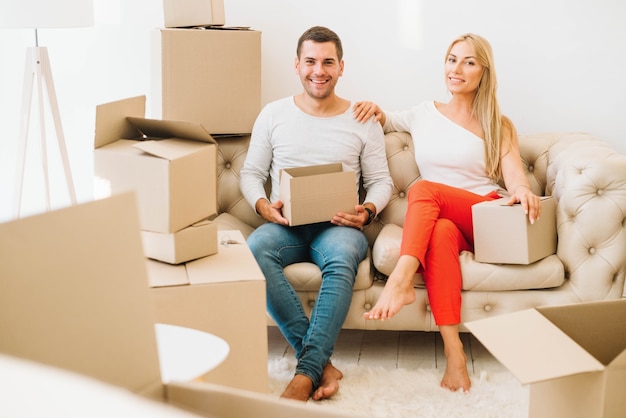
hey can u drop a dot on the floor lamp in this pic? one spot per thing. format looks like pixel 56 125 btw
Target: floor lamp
pixel 39 14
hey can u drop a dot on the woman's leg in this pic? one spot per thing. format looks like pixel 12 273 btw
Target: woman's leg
pixel 455 376
pixel 443 284
pixel 427 202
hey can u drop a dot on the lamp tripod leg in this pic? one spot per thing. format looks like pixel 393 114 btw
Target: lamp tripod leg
pixel 38 69
pixel 27 97
pixel 56 117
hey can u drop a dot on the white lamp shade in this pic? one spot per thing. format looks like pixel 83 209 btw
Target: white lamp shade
pixel 37 14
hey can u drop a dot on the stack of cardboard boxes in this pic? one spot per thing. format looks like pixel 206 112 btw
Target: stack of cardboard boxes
pixel 171 166
pixel 207 83
pixel 206 73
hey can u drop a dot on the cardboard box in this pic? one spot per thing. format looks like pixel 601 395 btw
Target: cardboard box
pixel 316 193
pixel 211 77
pixel 195 241
pixel 170 165
pixel 74 295
pixel 185 13
pixel 503 234
pixel 573 357
pixel 223 294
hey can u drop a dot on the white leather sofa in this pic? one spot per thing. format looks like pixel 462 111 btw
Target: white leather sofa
pixel 588 179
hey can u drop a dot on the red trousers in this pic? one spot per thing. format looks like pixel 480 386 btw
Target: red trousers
pixel 437 227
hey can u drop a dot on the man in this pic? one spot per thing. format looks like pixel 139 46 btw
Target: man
pixel 311 128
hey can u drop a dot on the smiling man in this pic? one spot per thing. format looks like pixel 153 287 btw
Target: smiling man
pixel 311 128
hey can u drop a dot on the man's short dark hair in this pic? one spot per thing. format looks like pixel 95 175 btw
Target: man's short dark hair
pixel 320 34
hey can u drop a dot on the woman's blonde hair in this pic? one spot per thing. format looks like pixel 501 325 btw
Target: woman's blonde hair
pixel 485 106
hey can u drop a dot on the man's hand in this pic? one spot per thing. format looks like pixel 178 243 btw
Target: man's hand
pixel 271 211
pixel 354 220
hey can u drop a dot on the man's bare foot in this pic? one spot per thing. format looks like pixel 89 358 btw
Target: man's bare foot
pixel 398 290
pixel 329 384
pixel 456 376
pixel 299 389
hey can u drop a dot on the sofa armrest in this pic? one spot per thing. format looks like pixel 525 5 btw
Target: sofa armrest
pixel 588 179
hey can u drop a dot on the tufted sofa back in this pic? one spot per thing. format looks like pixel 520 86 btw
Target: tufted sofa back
pixel 404 171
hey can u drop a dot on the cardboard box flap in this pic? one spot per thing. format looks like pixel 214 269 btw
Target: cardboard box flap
pixel 112 123
pixel 314 170
pixel 310 182
pixel 619 361
pixel 591 325
pixel 169 150
pixel 233 250
pixel 532 347
pixel 156 128
pixel 164 274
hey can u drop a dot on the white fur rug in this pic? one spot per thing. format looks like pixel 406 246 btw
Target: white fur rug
pixel 398 393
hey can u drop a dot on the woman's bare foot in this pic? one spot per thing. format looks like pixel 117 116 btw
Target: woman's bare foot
pixel 398 290
pixel 299 389
pixel 329 384
pixel 455 376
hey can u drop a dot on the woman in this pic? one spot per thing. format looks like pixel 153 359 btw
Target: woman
pixel 463 148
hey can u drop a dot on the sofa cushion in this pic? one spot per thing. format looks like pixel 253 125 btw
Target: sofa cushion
pixel 227 222
pixel 545 273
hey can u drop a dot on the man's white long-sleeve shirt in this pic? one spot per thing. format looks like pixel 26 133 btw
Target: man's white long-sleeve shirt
pixel 284 136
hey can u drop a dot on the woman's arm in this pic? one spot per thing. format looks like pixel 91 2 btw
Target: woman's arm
pixel 364 110
pixel 513 173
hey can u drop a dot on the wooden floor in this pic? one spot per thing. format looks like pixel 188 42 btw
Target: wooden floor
pixel 394 349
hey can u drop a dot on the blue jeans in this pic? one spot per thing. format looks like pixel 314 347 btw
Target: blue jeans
pixel 337 250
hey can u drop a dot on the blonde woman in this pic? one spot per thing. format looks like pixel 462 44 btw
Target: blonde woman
pixel 463 148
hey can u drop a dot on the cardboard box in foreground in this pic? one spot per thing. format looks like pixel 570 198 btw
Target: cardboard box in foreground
pixel 316 193
pixel 503 234
pixel 74 295
pixel 573 357
pixel 170 165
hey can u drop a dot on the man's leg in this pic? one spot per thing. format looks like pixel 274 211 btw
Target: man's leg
pixel 274 247
pixel 338 252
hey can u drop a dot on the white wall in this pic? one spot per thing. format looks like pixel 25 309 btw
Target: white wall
pixel 560 65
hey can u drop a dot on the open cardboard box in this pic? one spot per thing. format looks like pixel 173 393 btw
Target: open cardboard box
pixel 185 13
pixel 573 356
pixel 74 295
pixel 170 165
pixel 503 234
pixel 316 193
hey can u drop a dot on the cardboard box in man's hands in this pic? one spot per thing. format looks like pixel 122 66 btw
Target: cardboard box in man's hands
pixel 316 193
